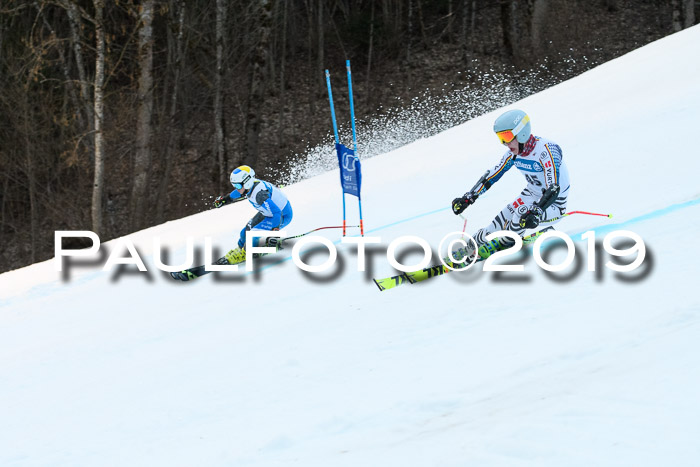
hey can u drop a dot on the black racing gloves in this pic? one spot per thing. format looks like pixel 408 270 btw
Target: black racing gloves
pixel 460 204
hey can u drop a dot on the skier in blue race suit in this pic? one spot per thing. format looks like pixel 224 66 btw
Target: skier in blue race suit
pixel 274 209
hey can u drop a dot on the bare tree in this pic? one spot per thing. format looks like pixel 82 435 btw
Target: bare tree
pixel 538 26
pixel 369 57
pixel 516 21
pixel 683 14
pixel 409 39
pixel 688 13
pixel 283 83
pixel 450 20
pixel 677 15
pixel 76 42
pixel 31 177
pixel 173 134
pixel 309 4
pixel 256 94
pixel 320 47
pixel 219 141
pixel 468 26
pixel 142 157
pixel 98 183
pixel 65 68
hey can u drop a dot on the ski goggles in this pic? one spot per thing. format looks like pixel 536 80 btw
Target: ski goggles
pixel 239 186
pixel 506 136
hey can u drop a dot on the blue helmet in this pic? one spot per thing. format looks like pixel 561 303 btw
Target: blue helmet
pixel 513 124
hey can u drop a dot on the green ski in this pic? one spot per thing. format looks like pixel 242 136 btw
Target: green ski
pixel 440 269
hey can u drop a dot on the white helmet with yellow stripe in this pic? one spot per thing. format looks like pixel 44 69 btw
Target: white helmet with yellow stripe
pixel 242 177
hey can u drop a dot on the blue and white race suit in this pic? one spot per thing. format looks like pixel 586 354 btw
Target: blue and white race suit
pixel 274 209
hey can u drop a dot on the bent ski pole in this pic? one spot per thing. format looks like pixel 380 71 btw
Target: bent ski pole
pixel 578 212
pixel 588 214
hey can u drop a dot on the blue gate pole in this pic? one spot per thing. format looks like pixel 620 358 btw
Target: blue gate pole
pixel 352 108
pixel 337 140
pixel 354 140
pixel 330 98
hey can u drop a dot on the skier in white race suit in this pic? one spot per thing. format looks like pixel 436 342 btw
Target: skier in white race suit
pixel 543 199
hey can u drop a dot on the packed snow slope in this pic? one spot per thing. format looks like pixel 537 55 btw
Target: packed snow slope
pixel 282 367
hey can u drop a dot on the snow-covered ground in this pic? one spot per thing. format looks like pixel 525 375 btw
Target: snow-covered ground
pixel 288 368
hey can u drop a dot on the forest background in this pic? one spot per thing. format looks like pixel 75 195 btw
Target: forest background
pixel 118 115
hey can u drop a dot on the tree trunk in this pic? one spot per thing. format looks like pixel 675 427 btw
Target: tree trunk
pixel 421 25
pixel 369 58
pixel 468 25
pixel 256 96
pixel 142 158
pixel 283 84
pixel 319 67
pixel 509 37
pixel 3 212
pixel 450 20
pixel 677 18
pixel 174 134
pixel 98 188
pixel 538 26
pixel 31 179
pixel 74 21
pixel 516 19
pixel 688 13
pixel 220 148
pixel 310 47
pixel 409 39
pixel 70 88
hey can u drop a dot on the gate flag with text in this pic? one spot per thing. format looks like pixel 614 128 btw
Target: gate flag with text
pixel 348 161
pixel 350 170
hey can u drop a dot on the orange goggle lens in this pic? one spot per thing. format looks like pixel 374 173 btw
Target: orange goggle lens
pixel 506 136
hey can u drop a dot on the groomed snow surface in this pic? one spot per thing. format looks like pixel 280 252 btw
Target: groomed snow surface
pixel 281 367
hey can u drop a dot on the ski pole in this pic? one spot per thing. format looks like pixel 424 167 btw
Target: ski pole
pixel 587 213
pixel 314 230
pixel 465 225
pixel 578 212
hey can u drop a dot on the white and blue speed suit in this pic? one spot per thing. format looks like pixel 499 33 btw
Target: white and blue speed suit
pixel 542 163
pixel 274 209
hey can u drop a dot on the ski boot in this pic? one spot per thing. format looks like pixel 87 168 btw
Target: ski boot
pixel 462 256
pixel 497 244
pixel 270 242
pixel 235 256
pixel 274 242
